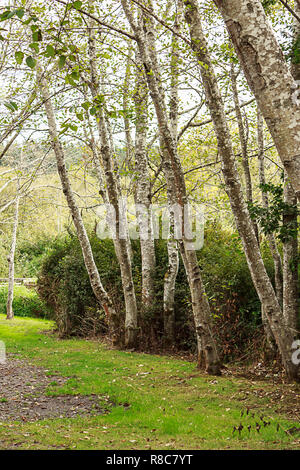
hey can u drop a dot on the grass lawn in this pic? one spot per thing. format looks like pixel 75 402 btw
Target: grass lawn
pixel 172 405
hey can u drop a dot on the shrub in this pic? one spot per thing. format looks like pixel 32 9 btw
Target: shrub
pixel 26 302
pixel 64 286
pixel 30 255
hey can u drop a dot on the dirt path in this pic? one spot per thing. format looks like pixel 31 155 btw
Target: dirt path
pixel 23 395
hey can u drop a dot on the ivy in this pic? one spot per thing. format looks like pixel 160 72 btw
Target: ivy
pixel 271 218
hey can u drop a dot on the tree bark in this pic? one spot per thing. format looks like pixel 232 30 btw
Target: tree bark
pixel 243 142
pixel 270 340
pixel 96 284
pixel 265 203
pixel 203 321
pixel 290 262
pixel 143 187
pixel 268 76
pixel 11 262
pixel 172 246
pixel 264 288
pixel 290 247
pixel 122 243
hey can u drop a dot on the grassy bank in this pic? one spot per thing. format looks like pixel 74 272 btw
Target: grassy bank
pixel 160 402
pixel 26 302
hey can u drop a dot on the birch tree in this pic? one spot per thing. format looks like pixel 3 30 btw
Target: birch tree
pixel 142 193
pixel 121 242
pixel 11 259
pixel 145 37
pixel 268 76
pixel 96 284
pixel 284 337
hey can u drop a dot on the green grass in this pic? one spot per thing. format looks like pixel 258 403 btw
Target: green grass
pixel 26 302
pixel 172 405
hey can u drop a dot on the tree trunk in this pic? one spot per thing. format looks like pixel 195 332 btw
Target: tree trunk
pixel 290 262
pixel 96 284
pixel 121 242
pixel 169 292
pixel 268 76
pixel 243 142
pixel 172 246
pixel 11 262
pixel 143 188
pixel 265 203
pixel 264 288
pixel 290 247
pixel 202 315
pixel 270 340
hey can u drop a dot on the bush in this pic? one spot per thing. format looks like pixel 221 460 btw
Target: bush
pixel 26 302
pixel 64 286
pixel 30 255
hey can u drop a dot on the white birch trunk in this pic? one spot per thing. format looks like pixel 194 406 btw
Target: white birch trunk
pixel 11 262
pixel 284 337
pixel 202 315
pixel 122 245
pixel 172 246
pixel 268 76
pixel 96 284
pixel 143 187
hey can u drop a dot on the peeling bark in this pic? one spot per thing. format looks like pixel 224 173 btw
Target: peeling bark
pixel 268 76
pixel 11 262
pixel 284 337
pixel 96 284
pixel 122 244
pixel 146 43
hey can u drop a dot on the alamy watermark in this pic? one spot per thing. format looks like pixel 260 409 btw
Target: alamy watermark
pixel 2 352
pixel 138 221
pixel 296 94
pixel 296 353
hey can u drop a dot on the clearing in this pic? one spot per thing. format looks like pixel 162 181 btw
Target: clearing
pixel 79 394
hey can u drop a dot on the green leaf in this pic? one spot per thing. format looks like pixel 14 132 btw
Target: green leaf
pixel 11 105
pixel 30 61
pixel 35 46
pixel 61 61
pixel 69 79
pixel 50 51
pixel 77 5
pixel 75 75
pixel 80 116
pixel 19 56
pixel 37 35
pixel 6 15
pixel 86 105
pixel 20 13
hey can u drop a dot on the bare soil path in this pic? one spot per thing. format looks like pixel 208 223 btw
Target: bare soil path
pixel 23 395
